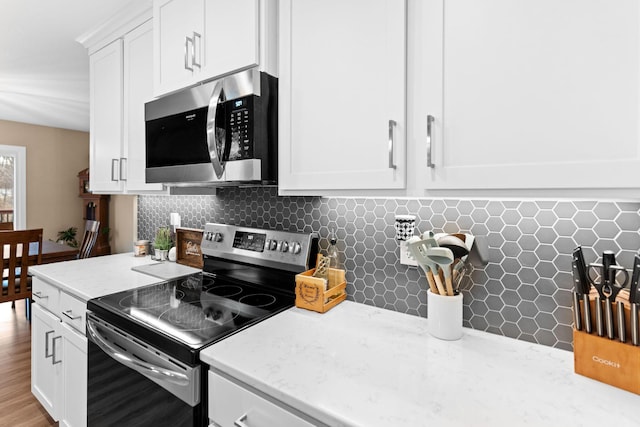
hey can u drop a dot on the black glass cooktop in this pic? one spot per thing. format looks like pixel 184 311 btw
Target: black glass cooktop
pixel 195 310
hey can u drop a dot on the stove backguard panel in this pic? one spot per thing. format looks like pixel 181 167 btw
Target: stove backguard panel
pixel 524 292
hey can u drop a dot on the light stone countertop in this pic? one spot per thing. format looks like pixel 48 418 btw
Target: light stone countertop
pixel 358 365
pixel 94 277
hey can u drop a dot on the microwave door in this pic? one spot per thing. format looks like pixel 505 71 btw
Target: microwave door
pixel 216 130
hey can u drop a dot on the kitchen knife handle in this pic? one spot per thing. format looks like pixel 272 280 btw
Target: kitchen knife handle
pixel 586 305
pixel 577 316
pixel 608 311
pixel 635 332
pixel 430 163
pixel 622 327
pixel 599 317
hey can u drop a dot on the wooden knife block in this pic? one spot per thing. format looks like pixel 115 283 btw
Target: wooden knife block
pixel 605 360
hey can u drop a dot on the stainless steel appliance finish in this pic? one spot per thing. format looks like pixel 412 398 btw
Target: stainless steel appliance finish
pixel 223 132
pixel 144 343
pixel 181 380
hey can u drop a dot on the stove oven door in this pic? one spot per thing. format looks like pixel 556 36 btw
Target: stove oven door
pixel 131 383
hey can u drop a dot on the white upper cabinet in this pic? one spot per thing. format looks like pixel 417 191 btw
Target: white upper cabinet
pixel 342 95
pixel 197 40
pixel 120 84
pixel 105 129
pixel 138 89
pixel 178 33
pixel 527 94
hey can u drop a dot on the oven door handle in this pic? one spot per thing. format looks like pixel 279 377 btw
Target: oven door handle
pixel 130 361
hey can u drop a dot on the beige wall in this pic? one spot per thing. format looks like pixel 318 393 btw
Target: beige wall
pixel 54 158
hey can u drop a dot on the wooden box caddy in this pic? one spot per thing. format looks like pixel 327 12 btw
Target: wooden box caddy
pixel 605 360
pixel 311 293
pixel 188 250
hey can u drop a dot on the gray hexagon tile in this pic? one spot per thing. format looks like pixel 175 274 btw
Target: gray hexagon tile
pixel 525 290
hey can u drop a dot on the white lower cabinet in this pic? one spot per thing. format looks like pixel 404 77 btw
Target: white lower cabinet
pixel 74 378
pixel 45 373
pixel 231 405
pixel 59 354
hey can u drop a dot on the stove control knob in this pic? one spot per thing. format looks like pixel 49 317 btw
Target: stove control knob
pixel 285 246
pixel 295 248
pixel 217 237
pixel 274 245
pixel 267 245
pixel 207 235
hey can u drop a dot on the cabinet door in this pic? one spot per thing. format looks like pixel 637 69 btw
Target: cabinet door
pixel 178 28
pixel 74 379
pixel 231 405
pixel 530 94
pixel 106 118
pixel 342 95
pixel 138 89
pixel 46 369
pixel 231 39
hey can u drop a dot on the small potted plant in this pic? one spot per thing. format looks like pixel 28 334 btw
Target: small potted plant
pixel 162 243
pixel 68 237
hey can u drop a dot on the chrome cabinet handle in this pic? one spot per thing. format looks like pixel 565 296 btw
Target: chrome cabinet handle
pixel 197 37
pixel 392 124
pixel 430 162
pixel 123 167
pixel 39 295
pixel 134 363
pixel 69 314
pixel 53 358
pixel 187 40
pixel 46 345
pixel 114 164
pixel 240 421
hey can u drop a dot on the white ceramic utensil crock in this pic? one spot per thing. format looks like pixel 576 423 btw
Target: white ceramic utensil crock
pixel 444 315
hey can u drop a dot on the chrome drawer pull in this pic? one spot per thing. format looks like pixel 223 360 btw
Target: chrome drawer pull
pixel 39 295
pixel 68 313
pixel 430 162
pixel 46 344
pixel 240 421
pixel 187 42
pixel 392 124
pixel 53 359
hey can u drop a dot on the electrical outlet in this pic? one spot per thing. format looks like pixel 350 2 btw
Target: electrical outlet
pixel 404 255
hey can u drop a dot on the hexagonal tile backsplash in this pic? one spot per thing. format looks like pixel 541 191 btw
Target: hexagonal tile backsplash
pixel 524 292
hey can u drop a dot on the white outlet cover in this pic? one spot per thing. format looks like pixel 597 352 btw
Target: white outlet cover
pixel 405 259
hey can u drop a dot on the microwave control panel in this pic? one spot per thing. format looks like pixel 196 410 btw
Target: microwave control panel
pixel 240 128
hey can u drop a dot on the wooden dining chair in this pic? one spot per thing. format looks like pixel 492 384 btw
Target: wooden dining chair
pixel 20 250
pixel 91 230
pixel 6 226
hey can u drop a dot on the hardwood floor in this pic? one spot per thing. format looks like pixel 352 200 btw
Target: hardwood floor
pixel 18 407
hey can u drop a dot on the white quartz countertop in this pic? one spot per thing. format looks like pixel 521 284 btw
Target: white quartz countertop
pixel 358 365
pixel 94 277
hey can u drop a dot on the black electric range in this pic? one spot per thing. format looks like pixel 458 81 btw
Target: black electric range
pixel 155 333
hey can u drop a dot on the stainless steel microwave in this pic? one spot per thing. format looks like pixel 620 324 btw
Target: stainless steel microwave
pixel 223 132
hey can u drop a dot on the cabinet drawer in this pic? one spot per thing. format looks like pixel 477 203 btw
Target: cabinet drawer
pixel 231 404
pixel 46 295
pixel 73 312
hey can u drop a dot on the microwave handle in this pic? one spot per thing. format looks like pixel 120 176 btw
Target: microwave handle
pixel 212 139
